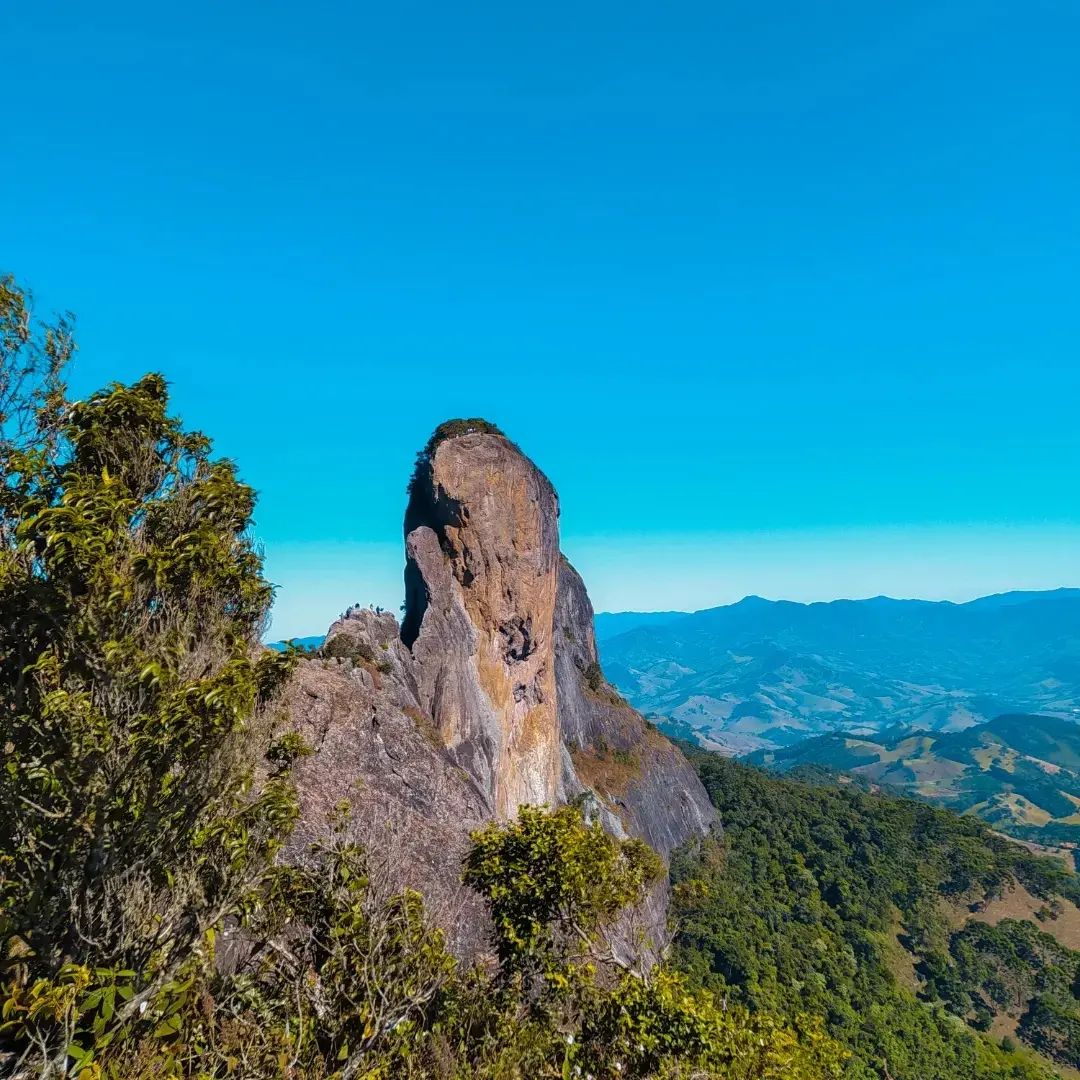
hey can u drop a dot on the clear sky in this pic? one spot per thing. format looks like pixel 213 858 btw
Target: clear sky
pixel 784 297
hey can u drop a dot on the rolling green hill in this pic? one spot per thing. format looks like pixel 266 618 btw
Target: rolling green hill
pixel 1019 773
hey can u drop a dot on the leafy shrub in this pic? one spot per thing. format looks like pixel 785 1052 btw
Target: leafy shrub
pixel 347 647
pixel 451 429
pixel 555 886
pixel 594 677
pixel 134 700
pixel 542 875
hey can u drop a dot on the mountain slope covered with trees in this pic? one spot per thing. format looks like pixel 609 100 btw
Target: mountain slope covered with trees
pixel 160 918
pixel 150 923
pixel 866 909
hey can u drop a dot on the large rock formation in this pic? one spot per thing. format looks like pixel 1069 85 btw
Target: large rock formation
pixel 409 804
pixel 490 697
pixel 482 544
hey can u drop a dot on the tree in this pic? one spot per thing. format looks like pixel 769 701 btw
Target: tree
pixel 554 884
pixel 554 887
pixel 32 362
pixel 134 696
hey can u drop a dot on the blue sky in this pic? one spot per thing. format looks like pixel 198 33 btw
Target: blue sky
pixel 783 297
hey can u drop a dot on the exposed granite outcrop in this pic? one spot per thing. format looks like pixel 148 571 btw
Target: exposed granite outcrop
pixel 490 697
pixel 410 803
pixel 482 544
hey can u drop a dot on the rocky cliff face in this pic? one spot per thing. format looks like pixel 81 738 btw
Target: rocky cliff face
pixel 491 695
pixel 411 806
pixel 482 545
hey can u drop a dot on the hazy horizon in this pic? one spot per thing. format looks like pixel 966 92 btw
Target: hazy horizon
pixel 692 573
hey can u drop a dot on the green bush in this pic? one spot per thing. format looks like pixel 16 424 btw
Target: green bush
pixel 594 677
pixel 135 703
pixel 451 429
pixel 346 647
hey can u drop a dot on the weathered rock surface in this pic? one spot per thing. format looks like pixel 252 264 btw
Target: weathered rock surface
pixel 490 697
pixel 482 543
pixel 410 805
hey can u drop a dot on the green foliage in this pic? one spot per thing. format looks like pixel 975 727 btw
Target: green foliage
pixel 816 895
pixel 594 677
pixel 1013 771
pixel 1016 969
pixel 133 693
pixel 340 979
pixel 550 876
pixel 347 647
pixel 555 887
pixel 32 362
pixel 451 429
pixel 661 1028
pixel 379 964
pixel 1052 1025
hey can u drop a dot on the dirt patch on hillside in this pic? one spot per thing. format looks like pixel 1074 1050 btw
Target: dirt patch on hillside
pixel 1018 903
pixel 606 771
pixel 899 961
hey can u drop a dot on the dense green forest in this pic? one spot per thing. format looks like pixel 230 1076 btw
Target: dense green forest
pixel 825 897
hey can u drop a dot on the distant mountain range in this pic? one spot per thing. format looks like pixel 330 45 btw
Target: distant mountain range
pixel 764 674
pixel 1019 773
pixel 313 642
pixel 609 624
